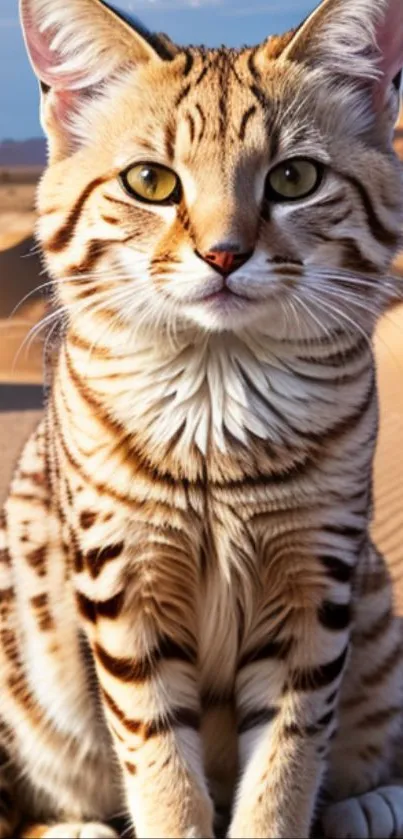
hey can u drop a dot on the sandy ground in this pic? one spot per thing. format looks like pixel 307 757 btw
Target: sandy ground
pixel 20 274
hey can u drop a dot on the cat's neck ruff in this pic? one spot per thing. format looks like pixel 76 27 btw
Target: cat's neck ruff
pixel 207 387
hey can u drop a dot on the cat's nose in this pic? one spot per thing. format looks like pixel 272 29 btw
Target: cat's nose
pixel 226 258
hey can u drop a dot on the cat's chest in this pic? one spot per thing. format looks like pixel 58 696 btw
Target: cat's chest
pixel 217 391
pixel 232 577
pixel 218 634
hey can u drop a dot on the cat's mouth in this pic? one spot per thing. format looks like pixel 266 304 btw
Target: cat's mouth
pixel 222 295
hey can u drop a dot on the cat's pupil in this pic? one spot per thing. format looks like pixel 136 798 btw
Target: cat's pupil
pixel 150 180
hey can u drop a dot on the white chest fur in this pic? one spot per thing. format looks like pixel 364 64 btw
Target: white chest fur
pixel 229 383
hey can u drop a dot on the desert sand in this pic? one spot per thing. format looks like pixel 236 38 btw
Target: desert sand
pixel 20 274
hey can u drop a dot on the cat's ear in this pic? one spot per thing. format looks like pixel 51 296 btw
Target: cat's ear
pixel 359 39
pixel 75 46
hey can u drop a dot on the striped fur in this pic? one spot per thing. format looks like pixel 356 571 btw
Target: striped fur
pixel 194 622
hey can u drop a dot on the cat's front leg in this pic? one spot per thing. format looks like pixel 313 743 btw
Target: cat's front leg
pixel 287 692
pixel 141 625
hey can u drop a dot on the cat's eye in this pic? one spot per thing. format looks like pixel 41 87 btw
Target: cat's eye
pixel 152 183
pixel 294 179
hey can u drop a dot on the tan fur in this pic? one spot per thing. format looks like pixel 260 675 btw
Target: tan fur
pixel 194 623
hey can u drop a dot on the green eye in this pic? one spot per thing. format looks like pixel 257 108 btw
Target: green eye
pixel 293 180
pixel 152 183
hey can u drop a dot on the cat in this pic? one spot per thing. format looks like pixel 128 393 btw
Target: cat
pixel 194 621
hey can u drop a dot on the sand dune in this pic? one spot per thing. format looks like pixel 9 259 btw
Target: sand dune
pixel 20 274
pixel 14 228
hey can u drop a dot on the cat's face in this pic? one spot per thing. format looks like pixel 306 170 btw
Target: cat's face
pixel 217 188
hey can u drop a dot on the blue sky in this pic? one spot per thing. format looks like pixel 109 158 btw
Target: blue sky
pixel 212 22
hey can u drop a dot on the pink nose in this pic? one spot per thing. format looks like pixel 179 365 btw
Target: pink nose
pixel 226 262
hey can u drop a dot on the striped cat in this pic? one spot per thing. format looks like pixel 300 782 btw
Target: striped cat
pixel 194 621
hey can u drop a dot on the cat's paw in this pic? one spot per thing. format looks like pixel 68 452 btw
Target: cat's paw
pixel 89 830
pixel 376 815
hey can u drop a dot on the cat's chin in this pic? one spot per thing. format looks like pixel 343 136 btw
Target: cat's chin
pixel 223 312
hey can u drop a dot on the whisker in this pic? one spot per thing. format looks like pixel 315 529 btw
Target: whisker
pixel 77 307
pixel 385 316
pixel 120 298
pixel 344 316
pixel 357 302
pixel 103 277
pixel 302 303
pixel 32 334
pixel 28 296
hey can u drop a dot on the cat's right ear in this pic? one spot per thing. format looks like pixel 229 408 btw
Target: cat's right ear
pixel 75 47
pixel 358 44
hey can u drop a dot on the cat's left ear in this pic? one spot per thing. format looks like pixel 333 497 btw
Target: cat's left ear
pixel 359 39
pixel 76 47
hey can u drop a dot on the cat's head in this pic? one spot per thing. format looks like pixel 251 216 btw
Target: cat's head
pixel 219 188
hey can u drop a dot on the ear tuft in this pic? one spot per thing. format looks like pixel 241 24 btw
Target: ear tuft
pixel 76 47
pixel 356 39
pixel 79 43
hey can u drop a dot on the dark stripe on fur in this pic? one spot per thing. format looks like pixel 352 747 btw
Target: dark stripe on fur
pixel 133 726
pixel 273 649
pixel 180 718
pixel 379 231
pixel 377 629
pixel 183 95
pixel 192 127
pixel 338 570
pixel 203 119
pixel 256 718
pixel 64 236
pixel 317 678
pixel 129 670
pixel 379 718
pixel 245 119
pixel 380 673
pixel 97 558
pixel 124 669
pixel 335 617
pixel 87 519
pixel 90 610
